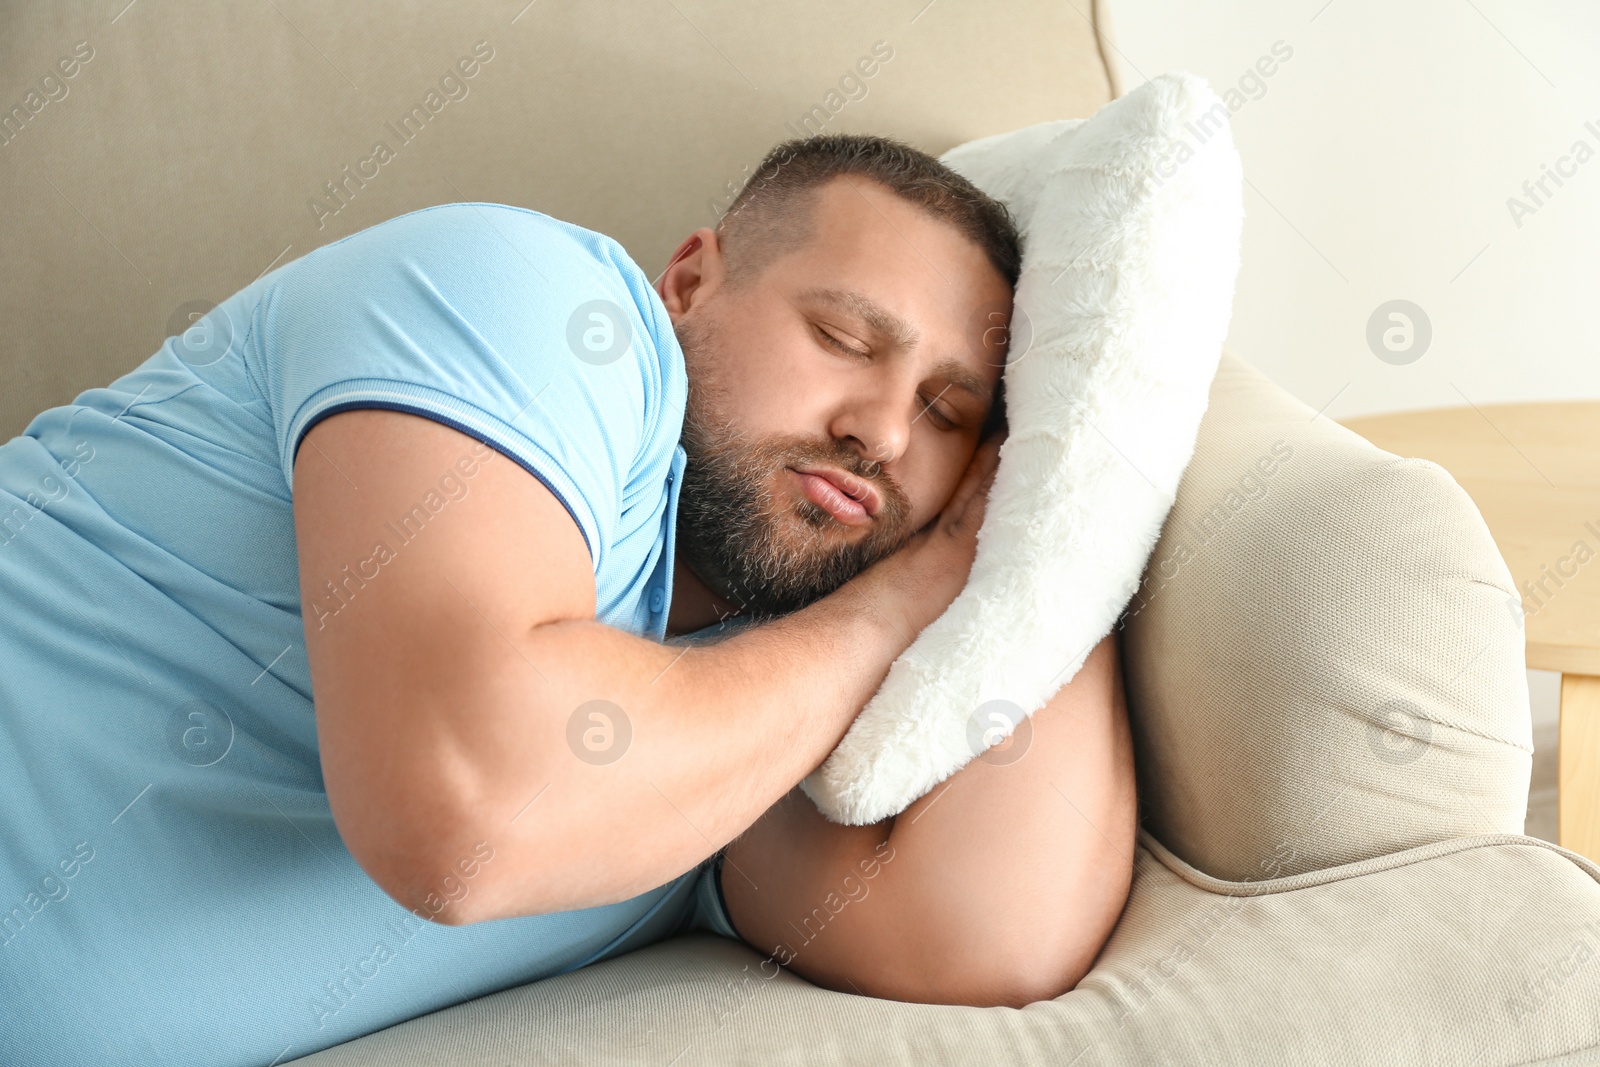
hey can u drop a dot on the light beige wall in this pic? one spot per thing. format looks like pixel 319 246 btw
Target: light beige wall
pixel 1380 157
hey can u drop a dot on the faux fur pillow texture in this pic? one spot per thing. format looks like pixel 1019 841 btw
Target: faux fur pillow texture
pixel 1131 221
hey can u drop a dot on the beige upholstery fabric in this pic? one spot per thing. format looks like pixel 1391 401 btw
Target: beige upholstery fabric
pixel 1465 953
pixel 1381 905
pixel 180 163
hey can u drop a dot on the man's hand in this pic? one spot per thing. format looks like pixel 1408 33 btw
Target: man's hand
pixel 921 579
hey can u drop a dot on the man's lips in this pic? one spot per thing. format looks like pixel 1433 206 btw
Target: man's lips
pixel 847 498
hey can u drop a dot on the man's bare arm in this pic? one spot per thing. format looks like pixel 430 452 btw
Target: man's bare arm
pixel 1000 886
pixel 447 684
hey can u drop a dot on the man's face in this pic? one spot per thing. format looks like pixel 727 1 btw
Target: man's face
pixel 835 401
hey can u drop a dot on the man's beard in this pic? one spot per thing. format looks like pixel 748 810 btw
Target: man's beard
pixel 737 532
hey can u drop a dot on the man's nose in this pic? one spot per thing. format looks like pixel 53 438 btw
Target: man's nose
pixel 880 423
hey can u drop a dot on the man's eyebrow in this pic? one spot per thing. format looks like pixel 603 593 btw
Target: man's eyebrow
pixel 868 310
pixel 886 322
pixel 962 377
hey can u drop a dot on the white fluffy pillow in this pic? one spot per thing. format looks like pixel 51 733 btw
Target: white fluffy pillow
pixel 1131 221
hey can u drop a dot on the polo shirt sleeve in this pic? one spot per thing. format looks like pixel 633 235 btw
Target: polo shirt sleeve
pixel 534 336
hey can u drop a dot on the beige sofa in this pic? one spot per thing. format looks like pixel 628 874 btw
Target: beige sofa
pixel 1325 669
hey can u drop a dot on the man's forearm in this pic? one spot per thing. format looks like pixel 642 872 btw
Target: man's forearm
pixel 626 762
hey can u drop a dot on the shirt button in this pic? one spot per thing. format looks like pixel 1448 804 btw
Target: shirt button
pixel 658 599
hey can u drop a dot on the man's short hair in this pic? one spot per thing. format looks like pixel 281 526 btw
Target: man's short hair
pixel 773 212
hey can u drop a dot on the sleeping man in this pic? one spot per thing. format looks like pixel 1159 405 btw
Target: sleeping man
pixel 450 608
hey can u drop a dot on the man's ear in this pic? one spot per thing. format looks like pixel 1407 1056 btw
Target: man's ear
pixel 693 273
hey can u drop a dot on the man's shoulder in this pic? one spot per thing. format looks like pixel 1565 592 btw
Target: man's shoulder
pixel 476 220
pixel 525 260
pixel 546 245
pixel 486 302
pixel 527 264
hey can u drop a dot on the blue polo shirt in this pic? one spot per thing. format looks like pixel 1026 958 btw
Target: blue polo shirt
pixel 173 889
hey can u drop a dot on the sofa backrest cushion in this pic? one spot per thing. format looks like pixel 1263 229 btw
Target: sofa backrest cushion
pixel 194 145
pixel 1325 660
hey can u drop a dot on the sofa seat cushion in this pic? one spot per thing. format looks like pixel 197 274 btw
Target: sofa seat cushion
pixel 1475 951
